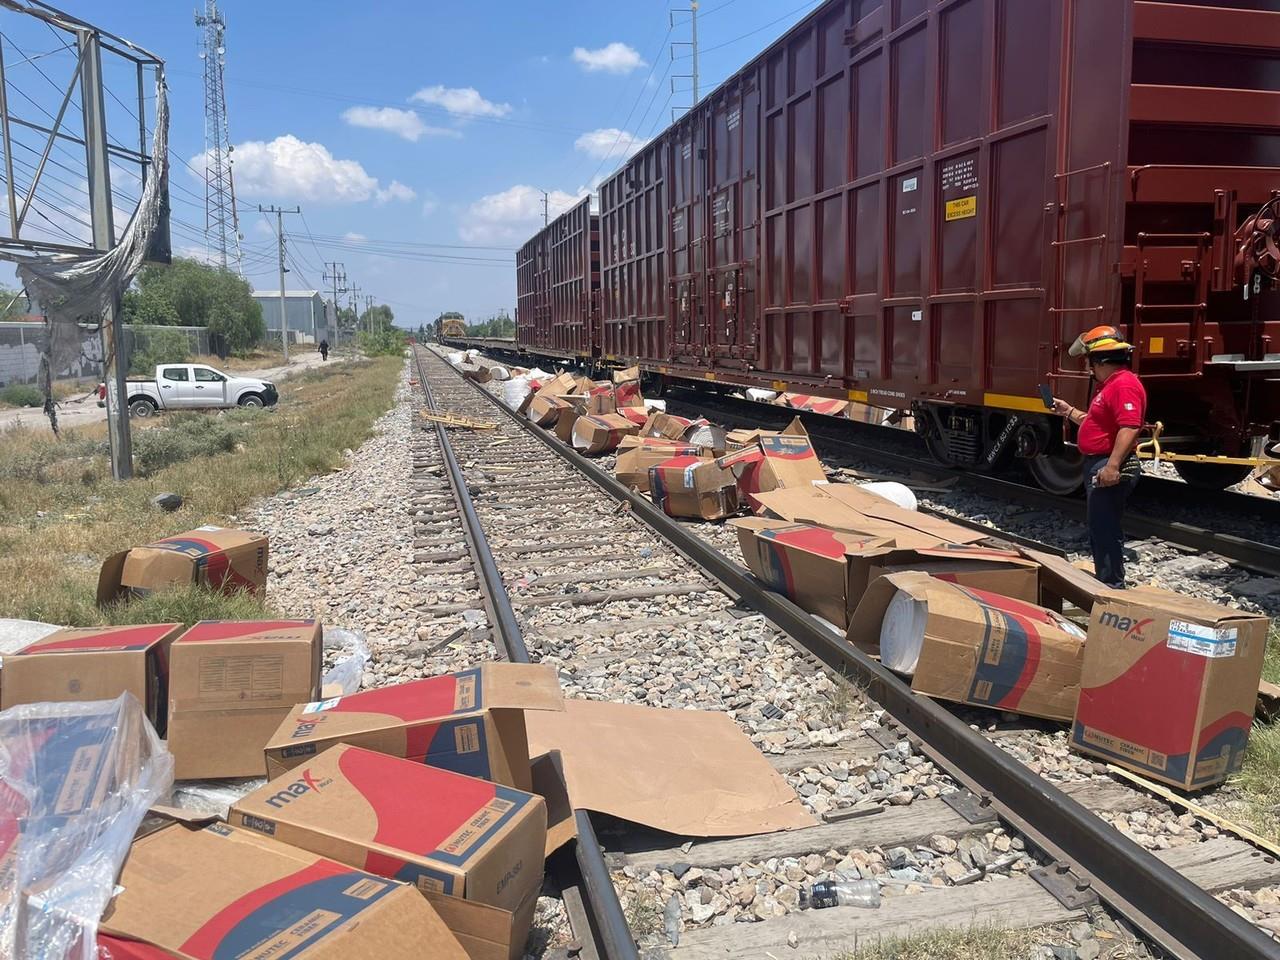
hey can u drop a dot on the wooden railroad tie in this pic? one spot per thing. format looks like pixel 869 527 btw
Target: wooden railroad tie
pixel 448 420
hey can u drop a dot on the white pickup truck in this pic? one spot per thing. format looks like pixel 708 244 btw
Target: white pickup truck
pixel 193 386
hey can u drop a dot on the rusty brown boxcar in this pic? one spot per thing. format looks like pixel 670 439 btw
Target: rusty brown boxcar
pixel 922 202
pixel 558 286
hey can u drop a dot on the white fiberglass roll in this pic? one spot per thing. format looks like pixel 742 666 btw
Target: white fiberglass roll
pixel 515 390
pixel 892 491
pixel 902 632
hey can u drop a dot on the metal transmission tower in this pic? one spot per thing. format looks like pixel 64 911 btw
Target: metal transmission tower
pixel 692 43
pixel 221 222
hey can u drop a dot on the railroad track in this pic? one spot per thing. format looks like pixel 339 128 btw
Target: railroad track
pixel 510 503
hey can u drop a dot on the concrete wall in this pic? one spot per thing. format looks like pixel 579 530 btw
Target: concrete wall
pixel 306 316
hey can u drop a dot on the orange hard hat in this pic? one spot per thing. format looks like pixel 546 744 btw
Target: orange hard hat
pixel 1103 339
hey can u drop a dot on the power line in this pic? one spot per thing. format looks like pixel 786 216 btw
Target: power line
pixel 752 33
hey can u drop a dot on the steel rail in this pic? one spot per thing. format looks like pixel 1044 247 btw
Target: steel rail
pixel 606 915
pixel 1169 909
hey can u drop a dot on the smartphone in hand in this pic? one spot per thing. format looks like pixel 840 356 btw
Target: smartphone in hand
pixel 1046 396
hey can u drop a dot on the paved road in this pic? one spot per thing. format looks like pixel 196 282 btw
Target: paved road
pixel 78 412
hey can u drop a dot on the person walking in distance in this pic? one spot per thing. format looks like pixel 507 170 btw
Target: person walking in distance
pixel 1108 437
pixel 324 350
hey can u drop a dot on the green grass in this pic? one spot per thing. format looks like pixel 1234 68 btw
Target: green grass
pixel 975 943
pixel 61 514
pixel 1271 664
pixel 1259 779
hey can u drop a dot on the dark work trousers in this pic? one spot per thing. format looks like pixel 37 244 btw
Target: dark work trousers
pixel 1106 511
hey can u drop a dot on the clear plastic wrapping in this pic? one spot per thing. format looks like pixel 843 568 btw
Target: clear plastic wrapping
pixel 349 660
pixel 76 779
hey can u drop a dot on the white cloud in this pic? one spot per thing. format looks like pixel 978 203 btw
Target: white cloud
pixel 287 168
pixel 354 237
pixel 395 190
pixel 461 101
pixel 430 204
pixel 612 58
pixel 291 168
pixel 511 216
pixel 403 123
pixel 609 142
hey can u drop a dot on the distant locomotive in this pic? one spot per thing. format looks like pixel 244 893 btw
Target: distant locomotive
pixel 920 203
pixel 450 326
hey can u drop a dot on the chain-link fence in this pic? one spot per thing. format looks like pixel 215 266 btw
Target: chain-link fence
pixel 22 341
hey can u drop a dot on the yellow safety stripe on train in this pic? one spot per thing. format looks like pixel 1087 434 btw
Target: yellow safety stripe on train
pixel 780 386
pixel 858 396
pixel 1010 401
pixel 708 376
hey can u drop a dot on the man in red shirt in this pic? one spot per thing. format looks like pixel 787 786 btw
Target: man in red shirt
pixel 1107 438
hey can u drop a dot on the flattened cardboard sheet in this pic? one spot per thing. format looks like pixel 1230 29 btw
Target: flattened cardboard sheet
pixel 689 772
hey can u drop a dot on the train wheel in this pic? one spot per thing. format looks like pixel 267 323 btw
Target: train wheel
pixel 1211 476
pixel 936 444
pixel 1060 473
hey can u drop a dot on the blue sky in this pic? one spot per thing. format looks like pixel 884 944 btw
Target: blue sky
pixel 414 123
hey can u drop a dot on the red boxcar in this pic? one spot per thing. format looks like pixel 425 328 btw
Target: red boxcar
pixel 558 286
pixel 922 203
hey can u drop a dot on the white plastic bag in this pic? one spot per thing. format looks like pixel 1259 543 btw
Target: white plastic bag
pixel 892 491
pixel 455 358
pixel 213 797
pixel 655 406
pixel 498 372
pixel 76 779
pixel 515 390
pixel 352 656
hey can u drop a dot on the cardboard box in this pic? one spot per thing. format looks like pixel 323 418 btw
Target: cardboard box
pixel 545 408
pixel 845 506
pixel 738 439
pixel 816 568
pixel 692 486
pixel 601 434
pixel 219 892
pixel 774 463
pixel 665 426
pixel 574 407
pixel 627 394
pixel 471 722
pixel 1169 685
pixel 637 454
pixel 442 832
pixel 216 557
pixel 231 683
pixel 637 415
pixel 823 405
pixel 94 663
pixel 981 648
pixel 601 400
pixel 626 375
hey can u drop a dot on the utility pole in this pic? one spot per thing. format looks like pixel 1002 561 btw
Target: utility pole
pixel 284 317
pixel 99 174
pixel 546 208
pixel 355 308
pixel 693 10
pixel 368 310
pixel 339 276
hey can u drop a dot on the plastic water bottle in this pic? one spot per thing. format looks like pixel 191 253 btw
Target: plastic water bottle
pixel 841 893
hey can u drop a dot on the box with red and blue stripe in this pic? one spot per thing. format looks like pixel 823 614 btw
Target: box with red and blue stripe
pixel 693 486
pixel 1169 685
pixel 443 832
pixel 219 558
pixel 982 648
pixel 220 892
pixel 94 663
pixel 470 722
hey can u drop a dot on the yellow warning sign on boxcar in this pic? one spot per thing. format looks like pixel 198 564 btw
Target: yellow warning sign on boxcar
pixel 962 208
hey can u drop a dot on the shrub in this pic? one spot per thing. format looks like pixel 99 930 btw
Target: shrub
pixel 387 342
pixel 184 436
pixel 22 395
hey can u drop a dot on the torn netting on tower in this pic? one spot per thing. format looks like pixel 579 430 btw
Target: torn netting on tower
pixel 71 290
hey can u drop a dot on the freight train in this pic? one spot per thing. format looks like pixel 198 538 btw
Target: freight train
pixel 920 204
